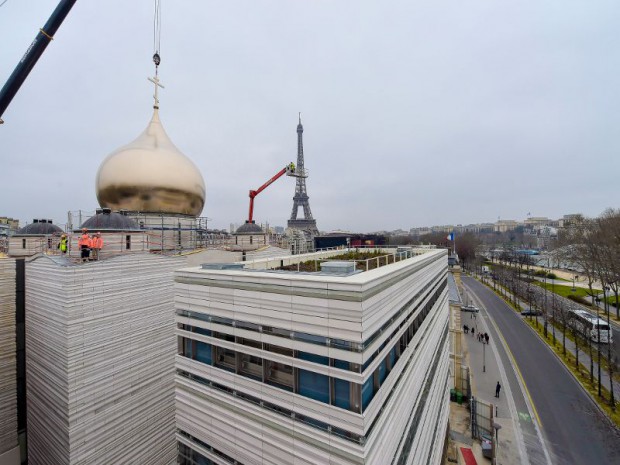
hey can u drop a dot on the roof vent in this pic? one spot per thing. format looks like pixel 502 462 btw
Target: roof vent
pixel 338 267
pixel 222 266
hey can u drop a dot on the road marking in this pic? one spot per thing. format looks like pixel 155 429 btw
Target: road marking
pixel 511 404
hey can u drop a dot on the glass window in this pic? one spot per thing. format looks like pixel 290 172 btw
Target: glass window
pixel 187 347
pixel 311 338
pixel 342 364
pixel 251 366
pixel 279 350
pixel 224 336
pixel 393 357
pixel 313 358
pixel 225 358
pixel 249 342
pixel 342 391
pixel 279 374
pixel 203 353
pixel 383 371
pixel 314 385
pixel 367 392
pixel 203 331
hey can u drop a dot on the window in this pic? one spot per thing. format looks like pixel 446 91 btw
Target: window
pixel 342 393
pixel 127 242
pixel 279 350
pixel 203 331
pixel 367 392
pixel 383 371
pixel 313 358
pixel 279 374
pixel 203 352
pixel 251 366
pixel 225 358
pixel 314 385
pixel 187 347
pixel 23 243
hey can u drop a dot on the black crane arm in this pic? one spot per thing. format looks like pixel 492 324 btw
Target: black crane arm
pixel 33 53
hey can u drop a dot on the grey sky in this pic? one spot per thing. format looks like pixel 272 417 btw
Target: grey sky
pixel 415 112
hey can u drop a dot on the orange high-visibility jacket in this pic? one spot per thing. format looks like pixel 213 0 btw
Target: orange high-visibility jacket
pixel 97 242
pixel 84 240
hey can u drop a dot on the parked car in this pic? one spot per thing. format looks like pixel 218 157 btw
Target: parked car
pixel 470 308
pixel 531 312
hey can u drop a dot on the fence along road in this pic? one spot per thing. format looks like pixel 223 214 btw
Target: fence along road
pixel 576 431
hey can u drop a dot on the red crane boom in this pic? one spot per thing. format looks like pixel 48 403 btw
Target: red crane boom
pixel 290 168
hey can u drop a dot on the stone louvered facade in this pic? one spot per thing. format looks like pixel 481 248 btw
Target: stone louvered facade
pixel 294 368
pixel 100 348
pixel 9 452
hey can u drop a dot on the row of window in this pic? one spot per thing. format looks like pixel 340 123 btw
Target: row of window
pixel 322 360
pixel 313 338
pixel 188 456
pixel 344 434
pixel 415 423
pixel 316 386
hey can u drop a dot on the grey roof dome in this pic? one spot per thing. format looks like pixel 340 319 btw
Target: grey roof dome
pixel 249 229
pixel 107 220
pixel 39 228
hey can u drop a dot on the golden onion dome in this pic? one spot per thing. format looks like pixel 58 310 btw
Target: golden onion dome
pixel 151 175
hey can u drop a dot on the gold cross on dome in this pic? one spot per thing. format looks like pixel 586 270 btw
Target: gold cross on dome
pixel 155 80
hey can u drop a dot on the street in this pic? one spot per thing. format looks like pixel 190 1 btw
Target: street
pixel 574 429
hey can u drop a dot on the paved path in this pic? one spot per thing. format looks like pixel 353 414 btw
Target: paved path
pixel 573 428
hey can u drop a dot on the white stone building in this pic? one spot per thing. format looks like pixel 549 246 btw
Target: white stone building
pixel 9 449
pixel 100 350
pixel 280 367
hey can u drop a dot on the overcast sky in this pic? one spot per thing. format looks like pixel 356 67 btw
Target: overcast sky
pixel 415 112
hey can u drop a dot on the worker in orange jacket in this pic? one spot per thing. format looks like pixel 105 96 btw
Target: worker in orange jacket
pixel 84 244
pixel 96 245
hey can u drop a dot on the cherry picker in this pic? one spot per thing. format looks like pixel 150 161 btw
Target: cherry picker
pixel 289 170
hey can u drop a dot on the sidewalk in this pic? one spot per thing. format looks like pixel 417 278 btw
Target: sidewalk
pixel 486 369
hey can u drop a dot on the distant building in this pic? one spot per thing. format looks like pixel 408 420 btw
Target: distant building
pixel 569 220
pixel 329 367
pixel 503 226
pixel 535 221
pixel 8 226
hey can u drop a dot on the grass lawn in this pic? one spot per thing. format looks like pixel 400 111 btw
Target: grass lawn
pixel 565 291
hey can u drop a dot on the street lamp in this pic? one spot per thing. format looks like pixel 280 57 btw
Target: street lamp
pixel 574 278
pixel 496 427
pixel 612 401
pixel 484 359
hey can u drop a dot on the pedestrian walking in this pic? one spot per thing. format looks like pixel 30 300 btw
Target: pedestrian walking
pixel 472 332
pixel 466 329
pixel 486 337
pixel 497 389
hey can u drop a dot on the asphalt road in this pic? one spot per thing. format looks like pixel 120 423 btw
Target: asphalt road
pixel 575 430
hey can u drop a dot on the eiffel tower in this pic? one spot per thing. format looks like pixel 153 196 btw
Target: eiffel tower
pixel 300 199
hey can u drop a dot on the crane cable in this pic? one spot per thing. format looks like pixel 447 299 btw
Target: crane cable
pixel 157 34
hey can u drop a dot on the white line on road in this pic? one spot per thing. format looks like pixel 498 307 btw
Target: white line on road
pixel 511 404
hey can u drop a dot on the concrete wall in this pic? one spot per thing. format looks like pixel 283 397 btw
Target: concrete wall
pixel 100 348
